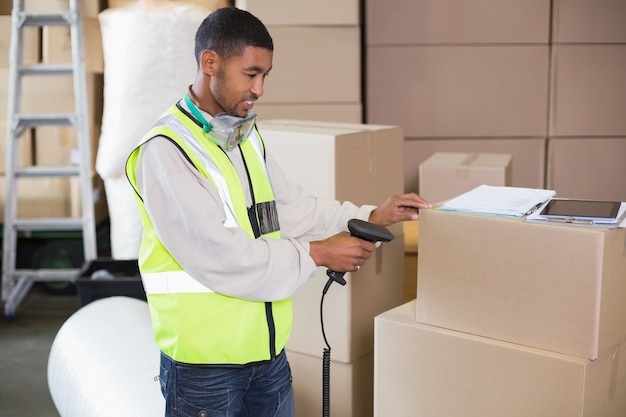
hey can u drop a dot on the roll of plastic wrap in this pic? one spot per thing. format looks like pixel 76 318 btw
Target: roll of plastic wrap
pixel 148 50
pixel 104 362
pixel 125 223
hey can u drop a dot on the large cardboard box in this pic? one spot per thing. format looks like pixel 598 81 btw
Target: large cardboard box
pixel 587 168
pixel 358 163
pixel 447 174
pixel 303 12
pixel 57 45
pixel 361 163
pixel 351 386
pixel 328 57
pixel 528 154
pixel 401 22
pixel 425 371
pixel 453 91
pixel 582 21
pixel 554 287
pixel 588 90
pixel 338 112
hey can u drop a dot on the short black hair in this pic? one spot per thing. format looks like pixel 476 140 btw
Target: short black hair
pixel 228 30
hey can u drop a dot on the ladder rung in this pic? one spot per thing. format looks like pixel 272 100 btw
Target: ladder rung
pixel 49 119
pixel 46 19
pixel 48 171
pixel 46 274
pixel 47 69
pixel 45 224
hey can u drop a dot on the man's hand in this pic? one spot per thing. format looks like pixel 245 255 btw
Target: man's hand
pixel 398 208
pixel 341 252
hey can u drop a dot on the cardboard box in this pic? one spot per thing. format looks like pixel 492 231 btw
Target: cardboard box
pixel 303 12
pixel 421 370
pixel 358 163
pixel 339 112
pixel 559 288
pixel 351 386
pixel 588 90
pixel 528 154
pixel 306 53
pixel 57 45
pixel 459 91
pixel 398 22
pixel 448 174
pixel 30 49
pixel 581 21
pixel 587 168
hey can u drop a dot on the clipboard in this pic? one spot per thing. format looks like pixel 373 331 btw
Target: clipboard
pixel 591 213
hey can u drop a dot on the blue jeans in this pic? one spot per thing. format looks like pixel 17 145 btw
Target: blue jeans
pixel 262 390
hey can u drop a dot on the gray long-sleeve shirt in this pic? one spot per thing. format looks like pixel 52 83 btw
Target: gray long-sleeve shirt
pixel 188 217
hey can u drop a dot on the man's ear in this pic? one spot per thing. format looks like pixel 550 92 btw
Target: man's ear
pixel 208 62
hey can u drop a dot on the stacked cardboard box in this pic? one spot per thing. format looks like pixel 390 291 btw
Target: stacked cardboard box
pixel 317 59
pixel 447 174
pixel 52 197
pixel 358 163
pixel 511 318
pixel 587 130
pixel 541 80
pixel 461 76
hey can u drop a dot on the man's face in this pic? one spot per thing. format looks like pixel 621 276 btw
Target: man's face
pixel 238 82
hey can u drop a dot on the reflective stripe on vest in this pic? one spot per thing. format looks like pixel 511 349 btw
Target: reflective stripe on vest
pixel 171 283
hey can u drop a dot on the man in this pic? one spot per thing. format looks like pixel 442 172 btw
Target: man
pixel 227 239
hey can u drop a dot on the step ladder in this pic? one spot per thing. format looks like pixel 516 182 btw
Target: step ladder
pixel 17 282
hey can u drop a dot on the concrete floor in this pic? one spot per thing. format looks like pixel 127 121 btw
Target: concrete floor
pixel 24 349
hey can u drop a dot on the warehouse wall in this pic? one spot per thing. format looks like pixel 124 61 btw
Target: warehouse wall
pixel 542 80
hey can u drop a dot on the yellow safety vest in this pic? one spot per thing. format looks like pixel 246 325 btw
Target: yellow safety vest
pixel 193 324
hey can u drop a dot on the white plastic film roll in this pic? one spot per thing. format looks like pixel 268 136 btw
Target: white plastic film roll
pixel 103 362
pixel 148 51
pixel 125 223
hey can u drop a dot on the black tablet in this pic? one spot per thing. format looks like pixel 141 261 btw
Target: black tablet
pixel 581 209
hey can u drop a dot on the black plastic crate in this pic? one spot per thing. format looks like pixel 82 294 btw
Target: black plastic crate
pixel 102 278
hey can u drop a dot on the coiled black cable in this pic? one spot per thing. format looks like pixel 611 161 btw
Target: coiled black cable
pixel 325 359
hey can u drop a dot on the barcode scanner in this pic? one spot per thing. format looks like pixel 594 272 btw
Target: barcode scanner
pixel 366 231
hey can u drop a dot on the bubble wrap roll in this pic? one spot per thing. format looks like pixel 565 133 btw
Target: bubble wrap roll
pixel 125 223
pixel 103 362
pixel 148 64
